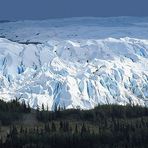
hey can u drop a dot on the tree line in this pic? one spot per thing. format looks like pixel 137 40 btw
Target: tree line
pixel 11 111
pixel 105 126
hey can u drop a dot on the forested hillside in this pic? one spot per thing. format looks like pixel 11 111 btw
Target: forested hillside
pixel 105 126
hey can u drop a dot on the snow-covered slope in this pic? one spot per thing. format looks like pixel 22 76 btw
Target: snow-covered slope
pixel 75 62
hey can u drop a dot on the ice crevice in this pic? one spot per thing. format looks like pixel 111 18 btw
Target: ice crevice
pixel 80 74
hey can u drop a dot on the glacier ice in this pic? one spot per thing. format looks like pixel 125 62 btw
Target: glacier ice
pixel 76 65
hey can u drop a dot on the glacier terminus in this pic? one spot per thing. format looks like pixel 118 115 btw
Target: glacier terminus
pixel 75 62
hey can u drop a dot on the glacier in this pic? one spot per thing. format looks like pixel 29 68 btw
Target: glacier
pixel 75 62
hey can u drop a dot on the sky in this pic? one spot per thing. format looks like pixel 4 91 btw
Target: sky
pixel 45 9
